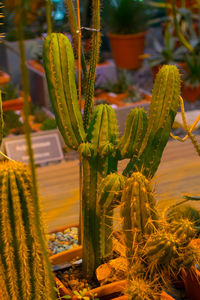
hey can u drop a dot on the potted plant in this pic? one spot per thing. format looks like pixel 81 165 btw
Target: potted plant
pixel 126 23
pixel 12 98
pixel 97 143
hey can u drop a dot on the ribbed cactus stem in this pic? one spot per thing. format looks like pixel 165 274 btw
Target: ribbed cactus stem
pixel 23 267
pixel 60 74
pixel 163 109
pixel 137 210
pixel 95 45
pixel 98 161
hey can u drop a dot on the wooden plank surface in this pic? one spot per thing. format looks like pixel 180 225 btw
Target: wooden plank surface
pixel 178 173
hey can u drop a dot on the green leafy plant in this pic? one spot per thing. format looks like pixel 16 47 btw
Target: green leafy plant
pixel 122 84
pixel 49 124
pixel 192 76
pixel 9 92
pixel 12 121
pixel 168 52
pixel 125 16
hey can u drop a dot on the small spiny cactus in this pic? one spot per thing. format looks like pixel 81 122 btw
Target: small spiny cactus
pixel 138 211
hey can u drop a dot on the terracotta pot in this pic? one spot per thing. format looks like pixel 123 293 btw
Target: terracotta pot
pixel 15 104
pixel 190 93
pixel 35 64
pixel 164 296
pixel 191 279
pixel 127 49
pixel 67 256
pixel 4 78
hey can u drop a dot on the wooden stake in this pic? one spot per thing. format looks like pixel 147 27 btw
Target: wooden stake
pixel 80 102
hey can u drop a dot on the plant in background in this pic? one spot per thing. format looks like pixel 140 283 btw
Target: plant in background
pixel 168 52
pixel 12 123
pixel 192 76
pixel 125 16
pixel 49 124
pixel 9 92
pixel 122 85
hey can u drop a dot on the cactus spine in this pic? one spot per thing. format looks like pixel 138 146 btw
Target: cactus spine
pixel 23 269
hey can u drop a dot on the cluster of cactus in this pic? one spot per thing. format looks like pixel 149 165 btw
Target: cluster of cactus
pixel 154 247
pixel 99 144
pixel 23 271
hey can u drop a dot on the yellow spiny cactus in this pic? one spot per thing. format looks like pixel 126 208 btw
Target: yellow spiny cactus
pixel 23 272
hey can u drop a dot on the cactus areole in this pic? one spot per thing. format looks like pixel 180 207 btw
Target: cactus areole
pixel 143 142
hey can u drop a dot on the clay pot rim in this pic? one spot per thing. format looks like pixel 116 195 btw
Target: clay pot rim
pixel 126 36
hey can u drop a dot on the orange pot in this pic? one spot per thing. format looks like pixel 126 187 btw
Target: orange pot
pixel 4 78
pixel 67 256
pixel 164 296
pixel 15 104
pixel 190 93
pixel 191 280
pixel 127 49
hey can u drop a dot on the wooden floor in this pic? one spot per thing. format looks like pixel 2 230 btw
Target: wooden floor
pixel 178 173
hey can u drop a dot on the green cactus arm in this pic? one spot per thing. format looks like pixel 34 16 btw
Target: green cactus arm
pixel 135 129
pixel 163 109
pixel 96 39
pixel 103 130
pixel 74 31
pixel 59 68
pixel 1 120
pixel 109 195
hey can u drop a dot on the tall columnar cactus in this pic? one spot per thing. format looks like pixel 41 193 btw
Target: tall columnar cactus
pixel 23 272
pixel 101 139
pixel 138 210
pixel 99 145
